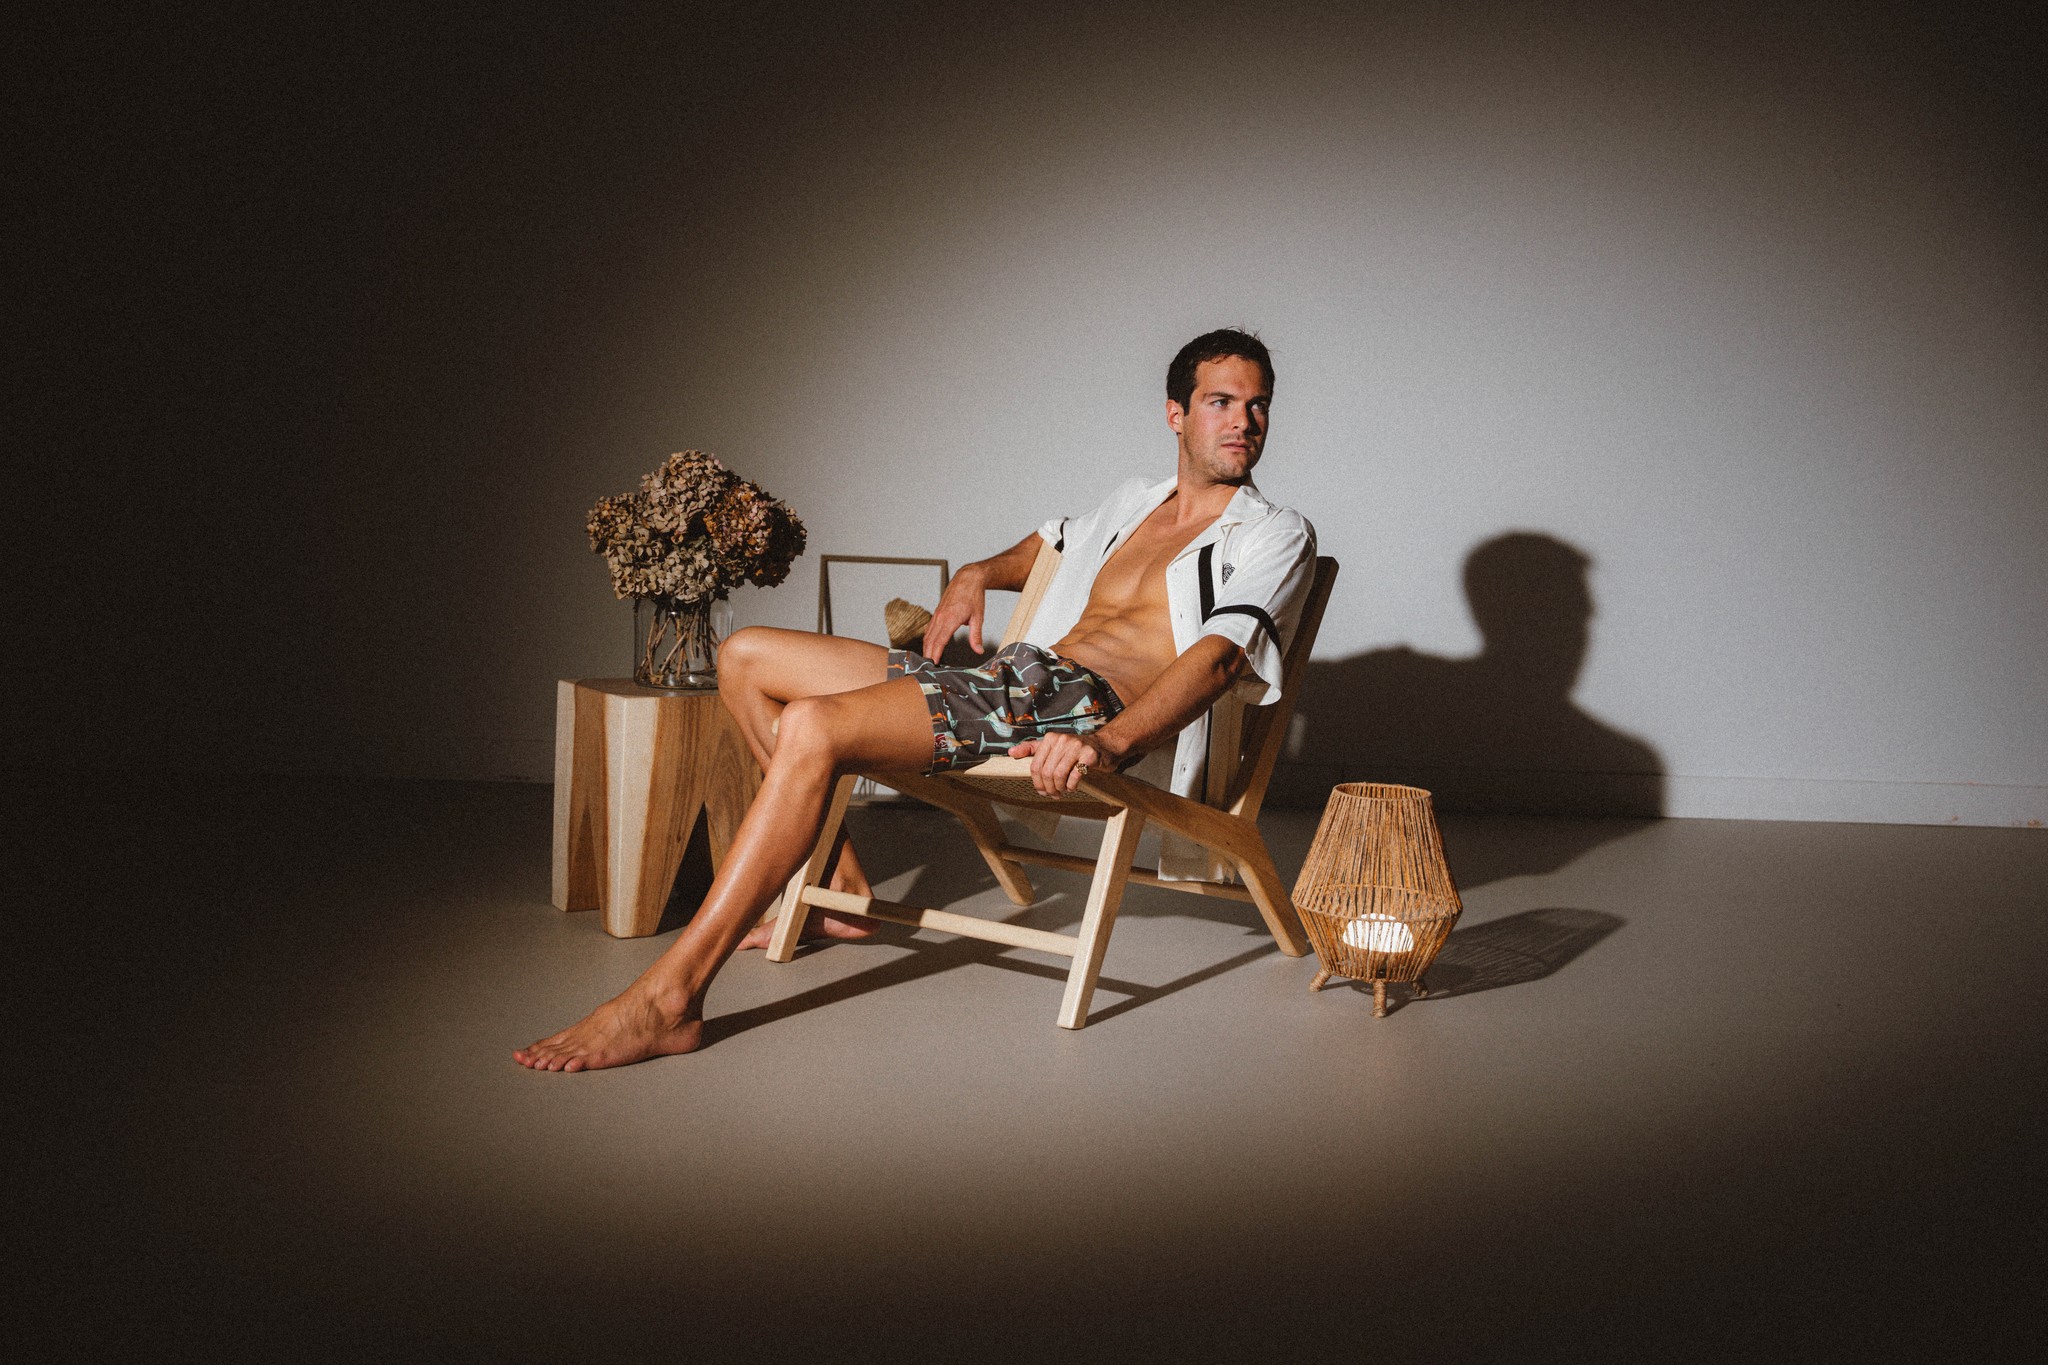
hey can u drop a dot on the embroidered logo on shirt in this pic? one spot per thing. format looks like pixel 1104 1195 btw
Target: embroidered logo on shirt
pixel 1227 567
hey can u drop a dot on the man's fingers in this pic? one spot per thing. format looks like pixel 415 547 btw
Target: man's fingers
pixel 1044 758
pixel 939 632
pixel 1058 762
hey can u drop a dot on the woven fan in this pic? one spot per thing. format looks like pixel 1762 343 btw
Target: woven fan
pixel 905 622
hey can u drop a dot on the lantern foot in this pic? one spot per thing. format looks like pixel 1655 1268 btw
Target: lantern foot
pixel 1379 999
pixel 1421 988
pixel 1321 976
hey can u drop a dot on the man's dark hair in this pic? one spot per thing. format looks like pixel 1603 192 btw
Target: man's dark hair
pixel 1225 344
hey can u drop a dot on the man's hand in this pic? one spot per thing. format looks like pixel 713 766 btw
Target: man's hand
pixel 966 594
pixel 963 602
pixel 1059 762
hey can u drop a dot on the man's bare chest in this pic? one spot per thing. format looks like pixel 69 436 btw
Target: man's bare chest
pixel 1136 569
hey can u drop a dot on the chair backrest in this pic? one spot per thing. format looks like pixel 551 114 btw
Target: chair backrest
pixel 1263 731
pixel 1042 570
pixel 1244 741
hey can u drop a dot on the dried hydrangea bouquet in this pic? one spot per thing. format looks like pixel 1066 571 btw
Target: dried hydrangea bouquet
pixel 693 533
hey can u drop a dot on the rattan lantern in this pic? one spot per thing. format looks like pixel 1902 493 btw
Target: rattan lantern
pixel 1375 892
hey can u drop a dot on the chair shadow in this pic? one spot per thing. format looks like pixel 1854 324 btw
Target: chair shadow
pixel 961 874
pixel 885 850
pixel 930 959
pixel 1494 733
pixel 1511 951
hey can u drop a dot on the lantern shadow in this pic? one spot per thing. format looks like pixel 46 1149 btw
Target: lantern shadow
pixel 1511 951
pixel 1515 949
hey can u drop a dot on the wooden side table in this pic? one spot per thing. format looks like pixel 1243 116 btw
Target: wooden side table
pixel 635 770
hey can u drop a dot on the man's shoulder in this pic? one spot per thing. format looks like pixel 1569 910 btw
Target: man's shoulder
pixel 1278 523
pixel 1126 492
pixel 1136 488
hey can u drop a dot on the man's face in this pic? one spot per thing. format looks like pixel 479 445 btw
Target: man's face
pixel 1223 428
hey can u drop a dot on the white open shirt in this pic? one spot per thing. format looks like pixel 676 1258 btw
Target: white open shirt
pixel 1259 560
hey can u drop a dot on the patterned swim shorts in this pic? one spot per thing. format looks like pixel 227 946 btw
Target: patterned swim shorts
pixel 1021 693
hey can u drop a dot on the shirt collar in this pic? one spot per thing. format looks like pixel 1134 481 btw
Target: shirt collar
pixel 1248 502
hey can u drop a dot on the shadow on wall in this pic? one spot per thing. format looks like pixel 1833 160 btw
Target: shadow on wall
pixel 1498 732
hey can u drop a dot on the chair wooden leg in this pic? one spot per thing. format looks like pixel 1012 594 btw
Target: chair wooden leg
pixel 793 913
pixel 978 814
pixel 1270 894
pixel 987 833
pixel 1105 894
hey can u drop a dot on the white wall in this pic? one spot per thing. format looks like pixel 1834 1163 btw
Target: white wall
pixel 1746 309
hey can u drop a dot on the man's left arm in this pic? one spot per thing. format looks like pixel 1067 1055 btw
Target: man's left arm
pixel 1190 685
pixel 1265 584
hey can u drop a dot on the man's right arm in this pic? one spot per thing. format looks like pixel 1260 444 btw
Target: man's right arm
pixel 966 595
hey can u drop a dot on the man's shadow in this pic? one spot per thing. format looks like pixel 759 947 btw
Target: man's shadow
pixel 1497 732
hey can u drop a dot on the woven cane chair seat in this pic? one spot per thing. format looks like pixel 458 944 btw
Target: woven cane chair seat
pixel 1018 791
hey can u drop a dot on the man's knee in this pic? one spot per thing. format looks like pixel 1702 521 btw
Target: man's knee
pixel 742 650
pixel 805 728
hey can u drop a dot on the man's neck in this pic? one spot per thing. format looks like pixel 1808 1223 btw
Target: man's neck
pixel 1196 499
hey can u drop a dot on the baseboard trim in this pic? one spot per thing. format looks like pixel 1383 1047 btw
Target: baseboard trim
pixel 1687 796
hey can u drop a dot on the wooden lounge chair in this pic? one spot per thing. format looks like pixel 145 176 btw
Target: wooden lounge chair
pixel 1244 741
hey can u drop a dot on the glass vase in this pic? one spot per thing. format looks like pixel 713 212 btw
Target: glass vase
pixel 676 641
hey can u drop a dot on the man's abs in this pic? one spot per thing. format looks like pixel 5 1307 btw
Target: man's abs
pixel 1125 633
pixel 1130 653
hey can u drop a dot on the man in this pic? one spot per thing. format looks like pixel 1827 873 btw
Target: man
pixel 1166 595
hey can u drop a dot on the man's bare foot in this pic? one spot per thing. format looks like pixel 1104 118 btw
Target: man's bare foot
pixel 628 1029
pixel 822 924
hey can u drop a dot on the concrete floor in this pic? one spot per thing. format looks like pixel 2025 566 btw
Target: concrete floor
pixel 1695 1090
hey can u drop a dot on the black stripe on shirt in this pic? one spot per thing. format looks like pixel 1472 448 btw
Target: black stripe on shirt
pixel 1209 607
pixel 1256 613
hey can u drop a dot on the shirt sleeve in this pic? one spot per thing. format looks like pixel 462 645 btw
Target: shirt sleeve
pixel 1259 605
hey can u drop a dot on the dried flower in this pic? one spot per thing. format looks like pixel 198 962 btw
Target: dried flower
pixel 694 530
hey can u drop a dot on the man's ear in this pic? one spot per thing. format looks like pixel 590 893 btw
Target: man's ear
pixel 1175 414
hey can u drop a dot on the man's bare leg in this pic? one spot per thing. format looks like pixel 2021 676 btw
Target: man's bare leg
pixel 760 671
pixel 662 1012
